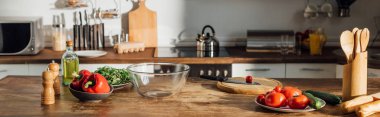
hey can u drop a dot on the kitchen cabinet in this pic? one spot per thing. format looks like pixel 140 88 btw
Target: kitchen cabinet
pixel 372 73
pixel 259 70
pixel 13 69
pixel 307 70
pixel 36 69
pixel 285 70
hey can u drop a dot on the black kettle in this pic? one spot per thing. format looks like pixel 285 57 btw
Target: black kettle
pixel 211 44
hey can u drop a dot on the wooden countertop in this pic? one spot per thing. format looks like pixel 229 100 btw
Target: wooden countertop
pixel 237 55
pixel 20 96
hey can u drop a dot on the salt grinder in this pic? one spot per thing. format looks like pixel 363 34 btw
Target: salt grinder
pixel 54 67
pixel 47 95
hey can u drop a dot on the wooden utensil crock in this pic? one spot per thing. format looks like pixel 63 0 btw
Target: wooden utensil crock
pixel 355 77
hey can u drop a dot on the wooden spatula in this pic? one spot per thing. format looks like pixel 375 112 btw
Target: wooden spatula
pixel 357 47
pixel 364 39
pixel 143 25
pixel 347 44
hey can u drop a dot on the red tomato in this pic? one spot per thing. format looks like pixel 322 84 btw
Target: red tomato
pixel 277 89
pixel 298 102
pixel 261 99
pixel 275 99
pixel 290 92
pixel 248 79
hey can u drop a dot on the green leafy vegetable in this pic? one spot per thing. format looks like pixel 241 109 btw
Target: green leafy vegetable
pixel 114 76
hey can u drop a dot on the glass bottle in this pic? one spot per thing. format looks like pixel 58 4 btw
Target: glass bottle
pixel 58 34
pixel 70 63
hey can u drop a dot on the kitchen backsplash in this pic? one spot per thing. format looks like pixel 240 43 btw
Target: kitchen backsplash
pixel 180 20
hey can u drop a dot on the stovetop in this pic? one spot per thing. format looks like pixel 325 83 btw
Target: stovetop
pixel 189 52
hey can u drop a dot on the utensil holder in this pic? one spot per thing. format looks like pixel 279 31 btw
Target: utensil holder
pixel 359 75
pixel 346 82
pixel 355 77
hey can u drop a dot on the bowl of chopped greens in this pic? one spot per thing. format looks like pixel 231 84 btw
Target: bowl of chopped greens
pixel 117 78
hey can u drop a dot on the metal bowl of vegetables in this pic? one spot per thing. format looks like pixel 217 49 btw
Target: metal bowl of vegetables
pixel 117 78
pixel 156 80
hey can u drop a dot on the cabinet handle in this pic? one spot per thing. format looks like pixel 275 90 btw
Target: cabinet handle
pixel 312 69
pixel 259 69
pixel 4 70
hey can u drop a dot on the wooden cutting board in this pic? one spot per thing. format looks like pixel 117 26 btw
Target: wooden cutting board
pixel 143 25
pixel 266 85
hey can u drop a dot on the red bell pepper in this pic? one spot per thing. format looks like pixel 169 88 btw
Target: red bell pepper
pixel 79 79
pixel 96 83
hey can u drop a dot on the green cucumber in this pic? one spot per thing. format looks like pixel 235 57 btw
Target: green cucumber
pixel 315 102
pixel 327 97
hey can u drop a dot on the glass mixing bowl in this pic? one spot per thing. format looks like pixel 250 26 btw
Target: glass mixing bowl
pixel 158 79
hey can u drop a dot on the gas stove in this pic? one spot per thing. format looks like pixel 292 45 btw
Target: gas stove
pixel 188 52
pixel 198 69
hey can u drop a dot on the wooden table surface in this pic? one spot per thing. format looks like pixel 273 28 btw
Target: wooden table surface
pixel 20 96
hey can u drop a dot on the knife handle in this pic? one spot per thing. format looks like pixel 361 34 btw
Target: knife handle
pixel 216 78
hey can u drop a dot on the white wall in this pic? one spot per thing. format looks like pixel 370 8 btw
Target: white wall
pixel 180 20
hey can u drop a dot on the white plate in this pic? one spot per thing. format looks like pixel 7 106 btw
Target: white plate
pixel 289 110
pixel 90 53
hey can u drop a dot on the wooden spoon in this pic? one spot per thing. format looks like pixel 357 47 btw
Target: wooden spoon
pixel 355 30
pixel 356 43
pixel 347 44
pixel 364 39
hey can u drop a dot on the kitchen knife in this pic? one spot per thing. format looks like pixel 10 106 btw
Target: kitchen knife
pixel 101 29
pixel 80 30
pixel 95 30
pixel 75 30
pixel 86 32
pixel 227 80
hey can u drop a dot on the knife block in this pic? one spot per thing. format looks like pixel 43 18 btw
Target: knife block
pixel 355 77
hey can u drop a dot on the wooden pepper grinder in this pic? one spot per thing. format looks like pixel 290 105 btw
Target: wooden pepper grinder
pixel 54 67
pixel 47 95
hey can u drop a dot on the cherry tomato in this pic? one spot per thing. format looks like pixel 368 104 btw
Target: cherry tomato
pixel 248 79
pixel 290 92
pixel 277 89
pixel 261 99
pixel 298 102
pixel 275 99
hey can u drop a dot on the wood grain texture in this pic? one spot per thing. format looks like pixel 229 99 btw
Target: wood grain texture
pixel 20 96
pixel 265 86
pixel 143 25
pixel 359 75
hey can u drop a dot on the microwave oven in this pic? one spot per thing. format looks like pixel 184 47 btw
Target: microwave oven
pixel 21 35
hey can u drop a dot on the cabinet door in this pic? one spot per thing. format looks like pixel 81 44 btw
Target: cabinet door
pixel 373 73
pixel 259 70
pixel 339 71
pixel 93 67
pixel 36 69
pixel 310 70
pixel 13 69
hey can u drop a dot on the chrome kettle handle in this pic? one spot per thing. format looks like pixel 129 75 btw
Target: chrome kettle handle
pixel 208 26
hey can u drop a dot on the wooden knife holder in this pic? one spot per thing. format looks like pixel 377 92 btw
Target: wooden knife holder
pixel 355 77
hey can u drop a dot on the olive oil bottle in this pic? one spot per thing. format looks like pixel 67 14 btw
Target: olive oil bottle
pixel 70 63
